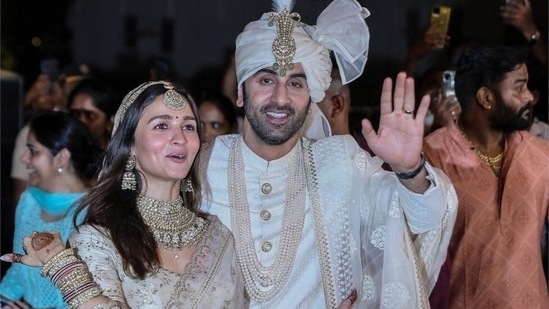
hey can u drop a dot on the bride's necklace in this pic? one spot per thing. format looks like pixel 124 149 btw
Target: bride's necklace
pixel 264 282
pixel 173 226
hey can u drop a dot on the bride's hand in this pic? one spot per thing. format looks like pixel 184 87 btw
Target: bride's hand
pixel 40 247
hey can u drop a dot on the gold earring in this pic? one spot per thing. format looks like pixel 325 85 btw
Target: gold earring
pixel 128 180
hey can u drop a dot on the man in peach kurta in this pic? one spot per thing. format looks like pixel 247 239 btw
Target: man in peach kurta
pixel 501 176
pixel 495 245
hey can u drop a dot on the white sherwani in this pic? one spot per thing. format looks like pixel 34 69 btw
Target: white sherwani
pixel 363 229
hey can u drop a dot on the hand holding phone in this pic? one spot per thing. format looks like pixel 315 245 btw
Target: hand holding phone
pixel 50 68
pixel 448 83
pixel 518 13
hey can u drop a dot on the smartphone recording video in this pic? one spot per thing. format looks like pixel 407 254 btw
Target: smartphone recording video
pixel 448 82
pixel 440 21
pixel 50 67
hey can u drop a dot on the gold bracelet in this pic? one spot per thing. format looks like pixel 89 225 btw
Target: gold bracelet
pixel 61 264
pixel 54 260
pixel 75 279
pixel 84 297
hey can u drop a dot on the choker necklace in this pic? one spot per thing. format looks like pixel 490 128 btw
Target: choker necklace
pixel 173 226
pixel 493 162
pixel 265 282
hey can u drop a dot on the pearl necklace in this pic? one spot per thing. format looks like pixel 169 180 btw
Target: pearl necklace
pixel 173 225
pixel 258 277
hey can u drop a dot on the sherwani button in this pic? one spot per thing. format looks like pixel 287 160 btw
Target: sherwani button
pixel 266 246
pixel 266 188
pixel 265 215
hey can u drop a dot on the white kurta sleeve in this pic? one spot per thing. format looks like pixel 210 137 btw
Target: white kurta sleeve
pixel 382 239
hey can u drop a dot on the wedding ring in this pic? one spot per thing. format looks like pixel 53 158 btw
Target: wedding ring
pixel 407 112
pixel 16 258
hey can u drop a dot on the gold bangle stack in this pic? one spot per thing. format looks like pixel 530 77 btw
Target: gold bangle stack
pixel 55 261
pixel 71 276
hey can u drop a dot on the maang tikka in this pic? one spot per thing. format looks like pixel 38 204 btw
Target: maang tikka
pixel 128 180
pixel 172 99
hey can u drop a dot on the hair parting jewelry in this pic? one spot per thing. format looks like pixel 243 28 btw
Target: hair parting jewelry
pixel 172 99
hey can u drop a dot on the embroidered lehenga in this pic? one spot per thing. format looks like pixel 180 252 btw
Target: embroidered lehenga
pixel 212 278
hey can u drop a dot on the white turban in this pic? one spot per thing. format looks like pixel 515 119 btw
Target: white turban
pixel 340 28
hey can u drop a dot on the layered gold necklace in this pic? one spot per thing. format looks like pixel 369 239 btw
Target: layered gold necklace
pixel 173 226
pixel 494 162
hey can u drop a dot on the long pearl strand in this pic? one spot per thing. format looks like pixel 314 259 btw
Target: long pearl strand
pixel 276 275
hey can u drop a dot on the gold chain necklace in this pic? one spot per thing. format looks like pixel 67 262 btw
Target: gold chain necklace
pixel 493 162
pixel 265 282
pixel 173 225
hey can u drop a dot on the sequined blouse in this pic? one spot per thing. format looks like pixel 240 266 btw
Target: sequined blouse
pixel 212 278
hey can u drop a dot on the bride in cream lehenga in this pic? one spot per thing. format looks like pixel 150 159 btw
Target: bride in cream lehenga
pixel 143 242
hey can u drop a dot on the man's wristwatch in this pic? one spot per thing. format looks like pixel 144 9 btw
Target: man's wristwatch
pixel 534 38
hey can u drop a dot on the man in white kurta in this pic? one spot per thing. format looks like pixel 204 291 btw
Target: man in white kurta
pixel 361 213
pixel 319 223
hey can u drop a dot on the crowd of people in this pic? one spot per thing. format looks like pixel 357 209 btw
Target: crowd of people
pixel 267 194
